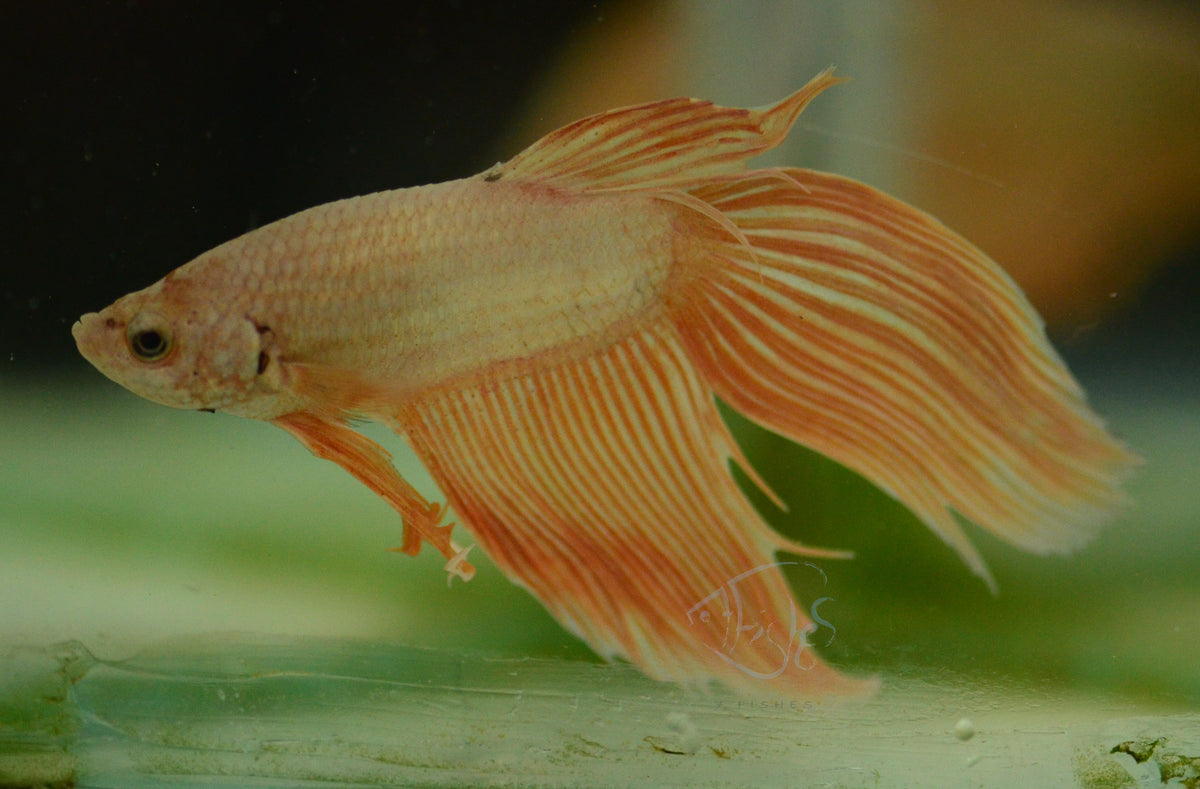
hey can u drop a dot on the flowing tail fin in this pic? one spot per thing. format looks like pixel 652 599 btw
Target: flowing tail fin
pixel 858 326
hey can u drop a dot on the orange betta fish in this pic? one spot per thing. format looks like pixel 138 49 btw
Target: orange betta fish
pixel 550 336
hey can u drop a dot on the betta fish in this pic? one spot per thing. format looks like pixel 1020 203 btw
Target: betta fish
pixel 551 337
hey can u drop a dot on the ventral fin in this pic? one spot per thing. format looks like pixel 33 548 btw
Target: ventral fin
pixel 372 465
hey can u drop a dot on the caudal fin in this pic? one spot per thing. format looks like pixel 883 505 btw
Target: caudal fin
pixel 865 329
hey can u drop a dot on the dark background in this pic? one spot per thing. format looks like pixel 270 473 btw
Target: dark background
pixel 138 134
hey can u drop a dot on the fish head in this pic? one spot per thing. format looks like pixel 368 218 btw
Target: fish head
pixel 178 343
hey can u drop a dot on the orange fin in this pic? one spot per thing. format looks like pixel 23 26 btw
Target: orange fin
pixel 661 145
pixel 602 486
pixel 371 465
pixel 865 329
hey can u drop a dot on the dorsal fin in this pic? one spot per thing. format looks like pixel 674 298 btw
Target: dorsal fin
pixel 669 144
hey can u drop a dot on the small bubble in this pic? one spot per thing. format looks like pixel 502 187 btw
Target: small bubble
pixel 964 729
pixel 678 722
pixel 686 737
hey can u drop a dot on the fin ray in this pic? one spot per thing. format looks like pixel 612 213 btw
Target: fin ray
pixel 602 485
pixel 660 145
pixel 866 330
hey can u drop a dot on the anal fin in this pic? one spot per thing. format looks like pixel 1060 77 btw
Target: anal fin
pixel 602 485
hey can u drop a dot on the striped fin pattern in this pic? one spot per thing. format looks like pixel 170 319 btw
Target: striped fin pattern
pixel 602 486
pixel 868 331
pixel 665 144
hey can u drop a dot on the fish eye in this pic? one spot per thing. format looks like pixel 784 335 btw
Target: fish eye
pixel 149 337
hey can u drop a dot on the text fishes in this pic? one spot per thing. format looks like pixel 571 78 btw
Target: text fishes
pixel 550 337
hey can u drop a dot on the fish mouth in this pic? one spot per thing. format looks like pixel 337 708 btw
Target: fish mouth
pixel 87 331
pixel 80 326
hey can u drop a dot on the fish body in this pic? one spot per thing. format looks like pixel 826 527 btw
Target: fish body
pixel 384 289
pixel 550 336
